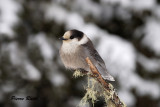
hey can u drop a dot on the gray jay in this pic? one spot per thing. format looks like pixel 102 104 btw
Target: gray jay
pixel 76 47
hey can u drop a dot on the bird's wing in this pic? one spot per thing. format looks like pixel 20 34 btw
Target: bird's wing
pixel 98 61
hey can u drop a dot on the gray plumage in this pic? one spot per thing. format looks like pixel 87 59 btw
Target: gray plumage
pixel 74 56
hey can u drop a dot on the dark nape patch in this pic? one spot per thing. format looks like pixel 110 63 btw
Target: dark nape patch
pixel 77 34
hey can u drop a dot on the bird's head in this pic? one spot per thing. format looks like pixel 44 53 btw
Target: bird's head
pixel 74 37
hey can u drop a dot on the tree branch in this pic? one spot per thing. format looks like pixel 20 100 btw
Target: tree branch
pixel 114 99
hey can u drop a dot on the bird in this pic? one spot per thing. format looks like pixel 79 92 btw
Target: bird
pixel 75 48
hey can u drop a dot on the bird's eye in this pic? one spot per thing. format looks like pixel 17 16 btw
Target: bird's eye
pixel 71 37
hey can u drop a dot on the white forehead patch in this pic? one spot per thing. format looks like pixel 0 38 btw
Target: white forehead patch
pixel 84 40
pixel 67 35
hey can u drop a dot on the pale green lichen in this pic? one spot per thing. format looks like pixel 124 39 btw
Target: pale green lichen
pixel 94 90
pixel 77 74
pixel 108 95
pixel 91 93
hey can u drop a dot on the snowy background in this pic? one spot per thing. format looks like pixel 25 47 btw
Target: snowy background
pixel 126 33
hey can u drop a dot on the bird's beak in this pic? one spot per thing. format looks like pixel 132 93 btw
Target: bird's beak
pixel 62 38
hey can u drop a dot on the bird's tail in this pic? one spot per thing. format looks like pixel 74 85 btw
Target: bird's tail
pixel 105 74
pixel 108 77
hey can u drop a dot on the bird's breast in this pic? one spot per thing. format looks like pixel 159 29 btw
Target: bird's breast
pixel 69 48
pixel 73 59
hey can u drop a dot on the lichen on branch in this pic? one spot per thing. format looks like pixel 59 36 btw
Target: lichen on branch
pixel 77 74
pixel 97 87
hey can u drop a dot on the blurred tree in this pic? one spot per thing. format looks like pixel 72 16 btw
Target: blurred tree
pixel 29 58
